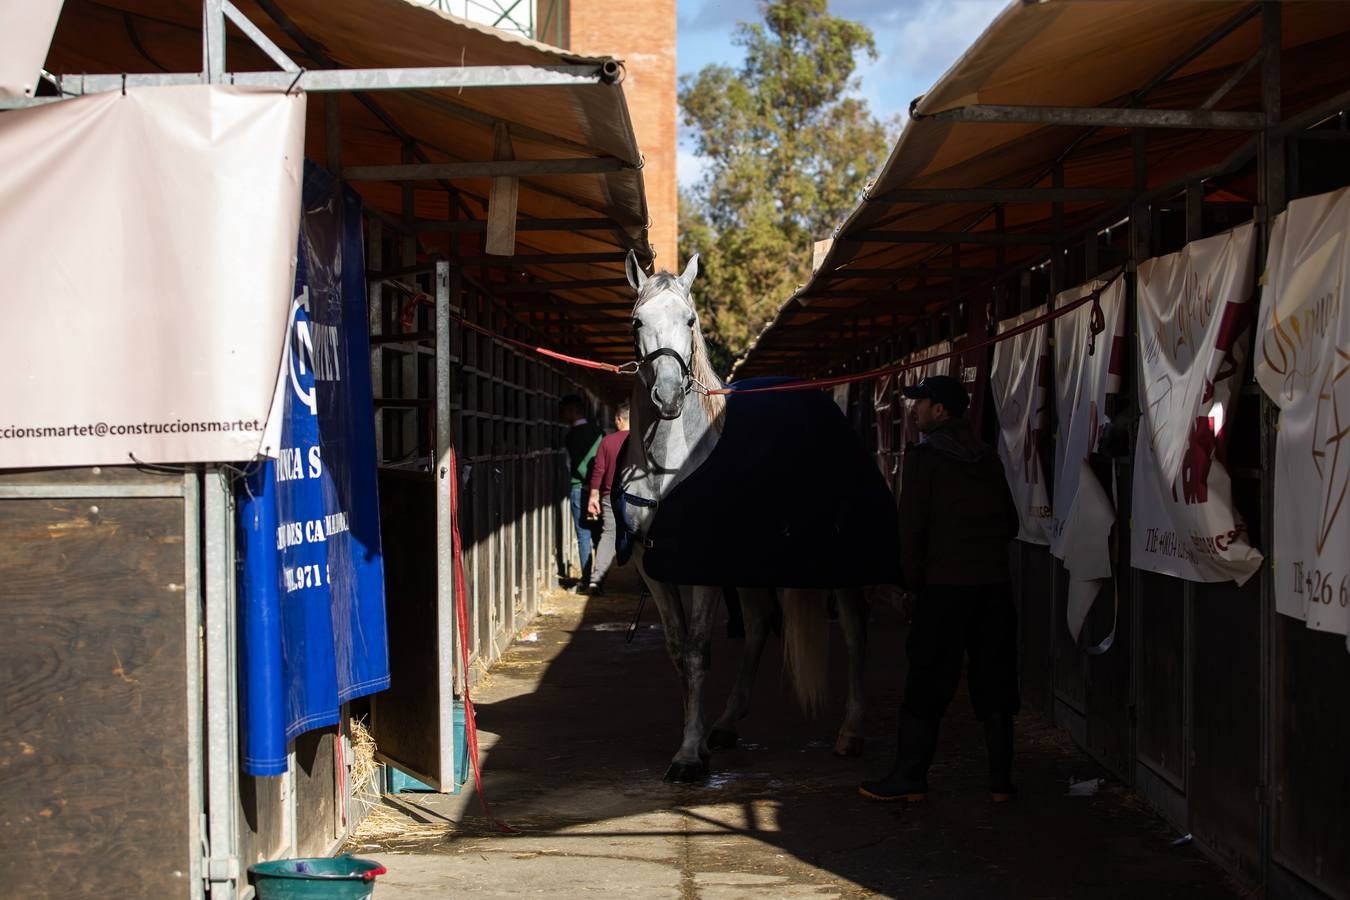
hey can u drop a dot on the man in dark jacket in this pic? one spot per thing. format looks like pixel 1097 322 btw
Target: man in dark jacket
pixel 957 518
pixel 582 440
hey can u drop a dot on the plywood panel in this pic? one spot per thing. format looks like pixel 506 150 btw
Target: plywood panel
pixel 1034 615
pixel 1225 771
pixel 405 723
pixel 93 720
pixel 315 792
pixel 1310 731
pixel 1162 659
pixel 1070 662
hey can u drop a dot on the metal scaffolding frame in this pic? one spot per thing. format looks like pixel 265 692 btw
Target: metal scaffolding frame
pixel 207 495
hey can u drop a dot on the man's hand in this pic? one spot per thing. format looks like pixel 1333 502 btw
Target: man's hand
pixel 593 505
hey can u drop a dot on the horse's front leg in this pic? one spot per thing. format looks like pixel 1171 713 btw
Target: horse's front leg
pixel 671 610
pixel 691 762
pixel 757 609
pixel 853 621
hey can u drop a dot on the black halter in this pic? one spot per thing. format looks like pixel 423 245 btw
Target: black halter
pixel 659 352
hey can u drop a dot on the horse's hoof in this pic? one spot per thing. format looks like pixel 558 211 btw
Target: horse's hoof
pixel 687 773
pixel 722 739
pixel 851 745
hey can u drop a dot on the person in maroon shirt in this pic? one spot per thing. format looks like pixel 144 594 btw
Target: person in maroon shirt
pixel 602 482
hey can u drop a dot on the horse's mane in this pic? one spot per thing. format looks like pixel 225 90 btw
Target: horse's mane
pixel 714 405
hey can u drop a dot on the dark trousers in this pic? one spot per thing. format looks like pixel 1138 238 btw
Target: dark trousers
pixel 950 623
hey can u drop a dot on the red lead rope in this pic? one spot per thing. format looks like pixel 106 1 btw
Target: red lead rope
pixel 462 619
pixel 552 354
pixel 1096 326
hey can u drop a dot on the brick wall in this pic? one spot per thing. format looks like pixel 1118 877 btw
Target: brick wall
pixel 644 38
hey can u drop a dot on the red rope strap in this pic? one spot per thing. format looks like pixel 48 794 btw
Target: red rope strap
pixel 1097 325
pixel 544 351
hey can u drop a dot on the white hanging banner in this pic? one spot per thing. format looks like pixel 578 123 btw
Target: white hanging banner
pixel 1018 382
pixel 885 398
pixel 1195 310
pixel 147 254
pixel 1088 366
pixel 1303 365
pixel 29 25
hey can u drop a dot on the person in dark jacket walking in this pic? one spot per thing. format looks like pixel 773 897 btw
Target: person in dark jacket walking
pixel 957 518
pixel 582 440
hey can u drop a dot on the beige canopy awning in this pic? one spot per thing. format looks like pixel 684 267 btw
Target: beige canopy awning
pixel 571 147
pixel 970 191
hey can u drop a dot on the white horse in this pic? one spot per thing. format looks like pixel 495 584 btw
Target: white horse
pixel 675 425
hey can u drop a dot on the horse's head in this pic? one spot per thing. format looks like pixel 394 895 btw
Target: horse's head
pixel 665 330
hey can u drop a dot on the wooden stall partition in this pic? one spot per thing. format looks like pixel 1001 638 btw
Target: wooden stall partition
pixel 100 726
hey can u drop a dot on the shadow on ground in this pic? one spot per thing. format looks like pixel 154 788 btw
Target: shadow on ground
pixel 577 727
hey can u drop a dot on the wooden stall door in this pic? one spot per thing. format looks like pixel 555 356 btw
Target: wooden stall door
pixel 96 758
pixel 406 717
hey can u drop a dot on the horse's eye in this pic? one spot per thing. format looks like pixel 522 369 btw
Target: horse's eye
pixel 637 323
pixel 690 323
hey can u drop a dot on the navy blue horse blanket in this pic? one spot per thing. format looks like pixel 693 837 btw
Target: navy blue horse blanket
pixel 789 497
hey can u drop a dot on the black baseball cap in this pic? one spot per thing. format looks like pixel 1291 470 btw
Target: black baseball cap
pixel 942 389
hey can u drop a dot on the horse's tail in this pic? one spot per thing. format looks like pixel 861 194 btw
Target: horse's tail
pixel 806 644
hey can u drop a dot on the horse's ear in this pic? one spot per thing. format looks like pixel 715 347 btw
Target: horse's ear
pixel 636 277
pixel 690 273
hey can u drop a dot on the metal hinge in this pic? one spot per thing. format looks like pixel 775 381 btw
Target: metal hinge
pixel 216 869
pixel 220 869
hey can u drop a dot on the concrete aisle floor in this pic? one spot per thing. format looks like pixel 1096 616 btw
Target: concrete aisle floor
pixel 577 727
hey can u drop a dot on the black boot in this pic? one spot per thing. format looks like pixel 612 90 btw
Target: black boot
pixel 908 780
pixel 998 737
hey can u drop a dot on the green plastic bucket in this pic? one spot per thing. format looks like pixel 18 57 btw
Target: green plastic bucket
pixel 323 878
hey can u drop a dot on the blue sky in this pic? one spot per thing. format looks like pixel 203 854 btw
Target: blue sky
pixel 917 40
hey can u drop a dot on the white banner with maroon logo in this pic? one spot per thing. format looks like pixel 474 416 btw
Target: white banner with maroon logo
pixel 1303 365
pixel 1018 384
pixel 1089 354
pixel 1195 309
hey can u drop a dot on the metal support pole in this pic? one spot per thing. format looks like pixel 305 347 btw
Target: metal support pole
pixel 1271 200
pixel 192 599
pixel 954 310
pixel 213 41
pixel 447 645
pixel 332 121
pixel 222 758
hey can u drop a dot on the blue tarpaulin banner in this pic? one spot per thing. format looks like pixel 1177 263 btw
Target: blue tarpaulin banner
pixel 310 573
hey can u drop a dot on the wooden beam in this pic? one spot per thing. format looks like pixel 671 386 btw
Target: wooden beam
pixel 544 259
pixel 588 223
pixel 503 196
pixel 518 168
pixel 950 237
pixel 1004 195
pixel 904 272
pixel 546 287
pixel 568 309
pixel 1101 117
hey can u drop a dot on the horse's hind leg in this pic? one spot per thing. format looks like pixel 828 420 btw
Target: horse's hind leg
pixel 757 611
pixel 853 622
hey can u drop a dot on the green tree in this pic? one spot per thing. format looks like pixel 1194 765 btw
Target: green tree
pixel 789 147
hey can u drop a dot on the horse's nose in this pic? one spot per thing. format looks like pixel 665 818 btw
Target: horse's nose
pixel 667 389
pixel 668 398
